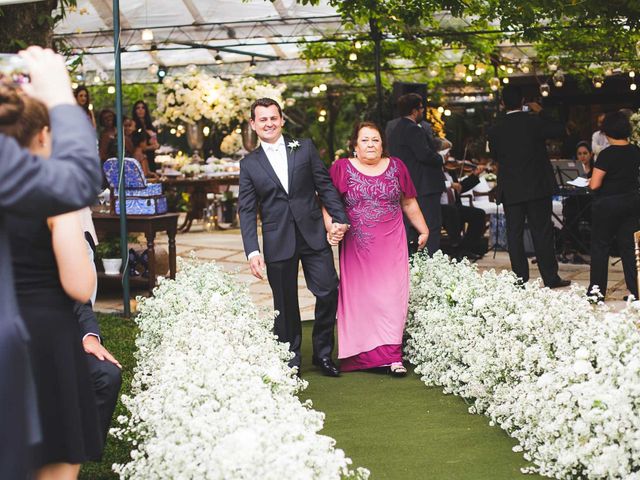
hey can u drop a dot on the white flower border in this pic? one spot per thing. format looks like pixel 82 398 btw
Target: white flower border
pixel 212 395
pixel 560 375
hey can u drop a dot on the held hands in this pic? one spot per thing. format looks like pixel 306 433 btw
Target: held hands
pixel 422 240
pixel 336 234
pixel 93 346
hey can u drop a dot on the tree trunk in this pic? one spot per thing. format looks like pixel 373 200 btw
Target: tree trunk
pixel 26 24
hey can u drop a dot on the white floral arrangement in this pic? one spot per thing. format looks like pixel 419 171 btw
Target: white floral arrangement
pixel 231 144
pixel 635 128
pixel 212 395
pixel 559 374
pixel 191 169
pixel 199 97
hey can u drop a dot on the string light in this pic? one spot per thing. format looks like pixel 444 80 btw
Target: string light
pixel 545 89
pixel 598 81
pixel 111 90
pixel 323 112
pixel 315 90
pixel 505 80
pixel 353 57
pixel 633 87
pixel 358 44
pixel 147 35
pixel 322 87
pixel 494 84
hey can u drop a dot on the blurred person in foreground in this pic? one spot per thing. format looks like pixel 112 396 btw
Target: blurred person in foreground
pixel 30 187
pixel 615 208
pixel 526 183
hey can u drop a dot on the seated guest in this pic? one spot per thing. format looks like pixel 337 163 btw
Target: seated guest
pixel 599 140
pixel 51 269
pixel 615 209
pixel 459 219
pixel 576 210
pixel 107 122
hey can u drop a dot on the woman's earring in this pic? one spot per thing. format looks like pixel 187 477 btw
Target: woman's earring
pixel 355 154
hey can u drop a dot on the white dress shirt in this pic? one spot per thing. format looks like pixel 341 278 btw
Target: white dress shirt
pixel 277 155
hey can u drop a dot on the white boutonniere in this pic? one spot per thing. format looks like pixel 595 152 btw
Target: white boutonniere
pixel 293 145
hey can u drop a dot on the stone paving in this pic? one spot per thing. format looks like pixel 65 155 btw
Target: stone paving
pixel 225 247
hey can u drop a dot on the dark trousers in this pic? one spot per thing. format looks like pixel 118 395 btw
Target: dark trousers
pixel 106 379
pixel 537 213
pixel 614 217
pixel 454 219
pixel 430 207
pixel 322 281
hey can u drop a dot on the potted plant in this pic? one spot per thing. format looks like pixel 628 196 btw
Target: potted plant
pixel 108 250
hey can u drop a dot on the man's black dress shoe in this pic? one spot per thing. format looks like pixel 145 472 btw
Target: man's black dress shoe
pixel 327 367
pixel 560 283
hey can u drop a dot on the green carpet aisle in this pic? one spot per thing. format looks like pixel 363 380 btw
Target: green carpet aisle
pixel 400 429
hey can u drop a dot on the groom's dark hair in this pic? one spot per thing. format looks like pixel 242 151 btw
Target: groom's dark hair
pixel 264 102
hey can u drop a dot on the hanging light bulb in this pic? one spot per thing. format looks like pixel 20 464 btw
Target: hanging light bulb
pixel 633 87
pixel 147 35
pixel 558 79
pixel 96 78
pixel 632 74
pixel 323 113
pixel 459 71
pixel 471 67
pixel 447 113
pixel 505 80
pixel 608 72
pixel 74 85
pixel 481 68
pixel 321 118
pixel 503 67
pixel 545 89
pixel 173 131
pixel 494 83
pixel 468 79
pixel 598 81
pixel 315 90
pixel 433 70
pixel 358 44
pixel 525 66
pixel 440 109
pixel 323 87
pixel 553 62
pixel 111 90
pixel 509 70
pixel 353 56
pixel 252 63
pixel 206 130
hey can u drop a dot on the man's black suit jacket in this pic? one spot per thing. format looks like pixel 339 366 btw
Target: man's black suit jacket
pixel 409 142
pixel 309 186
pixel 517 143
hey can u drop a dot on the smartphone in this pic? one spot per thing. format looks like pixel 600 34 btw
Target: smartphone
pixel 525 108
pixel 13 69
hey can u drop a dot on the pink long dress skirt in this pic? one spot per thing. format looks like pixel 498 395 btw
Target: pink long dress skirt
pixel 374 270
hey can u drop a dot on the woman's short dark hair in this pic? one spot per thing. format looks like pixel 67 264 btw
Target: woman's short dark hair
pixel 408 103
pixel 616 125
pixel 264 102
pixel 103 113
pixel 353 140
pixel 21 117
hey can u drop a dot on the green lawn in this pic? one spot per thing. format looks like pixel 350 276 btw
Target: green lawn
pixel 396 427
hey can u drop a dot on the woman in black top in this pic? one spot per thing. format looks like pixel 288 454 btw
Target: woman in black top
pixel 615 210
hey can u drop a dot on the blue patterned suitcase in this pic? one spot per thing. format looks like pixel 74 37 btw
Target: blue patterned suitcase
pixel 141 198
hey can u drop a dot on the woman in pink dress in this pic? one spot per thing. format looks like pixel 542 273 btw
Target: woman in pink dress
pixel 374 265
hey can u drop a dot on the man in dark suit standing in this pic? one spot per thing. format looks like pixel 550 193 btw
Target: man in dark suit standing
pixel 69 180
pixel 286 182
pixel 409 142
pixel 526 183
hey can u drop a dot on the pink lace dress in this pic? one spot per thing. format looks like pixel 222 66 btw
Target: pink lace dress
pixel 374 269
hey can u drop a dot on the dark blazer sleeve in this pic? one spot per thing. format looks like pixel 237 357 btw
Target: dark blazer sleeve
pixel 469 182
pixel 324 187
pixel 418 142
pixel 86 318
pixel 69 180
pixel 248 210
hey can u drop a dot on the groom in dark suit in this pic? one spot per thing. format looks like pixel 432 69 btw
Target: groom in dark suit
pixel 526 183
pixel 285 181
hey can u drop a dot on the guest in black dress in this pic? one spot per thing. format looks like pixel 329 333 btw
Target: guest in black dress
pixel 51 269
pixel 615 209
pixel 146 134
